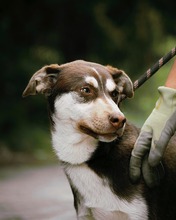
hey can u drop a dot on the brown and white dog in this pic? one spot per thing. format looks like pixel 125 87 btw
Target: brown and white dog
pixel 92 139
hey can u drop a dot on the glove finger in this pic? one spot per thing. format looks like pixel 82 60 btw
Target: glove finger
pixel 152 175
pixel 157 151
pixel 141 147
pixel 135 169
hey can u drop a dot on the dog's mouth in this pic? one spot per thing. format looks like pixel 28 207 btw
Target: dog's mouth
pixel 101 136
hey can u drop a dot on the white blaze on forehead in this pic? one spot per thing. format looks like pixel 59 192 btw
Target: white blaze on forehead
pixel 95 71
pixel 92 81
pixel 99 76
pixel 110 85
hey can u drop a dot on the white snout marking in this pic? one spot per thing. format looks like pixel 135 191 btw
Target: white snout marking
pixel 92 81
pixel 112 105
pixel 110 85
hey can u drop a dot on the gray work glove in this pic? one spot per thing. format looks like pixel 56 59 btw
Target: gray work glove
pixel 153 139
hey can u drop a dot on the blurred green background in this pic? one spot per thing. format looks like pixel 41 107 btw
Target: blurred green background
pixel 131 35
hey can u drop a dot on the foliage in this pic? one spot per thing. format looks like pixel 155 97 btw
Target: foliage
pixel 131 35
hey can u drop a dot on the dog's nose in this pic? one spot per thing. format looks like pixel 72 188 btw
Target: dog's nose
pixel 117 120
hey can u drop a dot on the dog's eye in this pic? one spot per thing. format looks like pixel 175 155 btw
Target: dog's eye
pixel 114 94
pixel 86 90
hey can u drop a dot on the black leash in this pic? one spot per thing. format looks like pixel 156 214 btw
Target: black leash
pixel 151 71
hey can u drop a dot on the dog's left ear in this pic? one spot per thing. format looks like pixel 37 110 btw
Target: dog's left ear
pixel 42 81
pixel 123 82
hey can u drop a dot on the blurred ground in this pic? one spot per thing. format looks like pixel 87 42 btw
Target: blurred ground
pixel 35 193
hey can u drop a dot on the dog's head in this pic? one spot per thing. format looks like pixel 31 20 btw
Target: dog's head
pixel 85 95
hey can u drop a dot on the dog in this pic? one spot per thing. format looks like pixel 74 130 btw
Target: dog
pixel 93 140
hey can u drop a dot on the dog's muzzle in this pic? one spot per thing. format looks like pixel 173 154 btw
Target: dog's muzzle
pixel 105 131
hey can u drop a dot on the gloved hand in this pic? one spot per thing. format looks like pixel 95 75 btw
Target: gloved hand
pixel 153 139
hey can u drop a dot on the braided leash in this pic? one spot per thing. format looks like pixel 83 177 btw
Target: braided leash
pixel 150 72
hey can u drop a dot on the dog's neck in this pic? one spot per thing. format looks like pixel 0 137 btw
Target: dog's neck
pixel 72 146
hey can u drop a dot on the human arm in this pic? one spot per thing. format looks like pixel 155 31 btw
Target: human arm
pixel 171 79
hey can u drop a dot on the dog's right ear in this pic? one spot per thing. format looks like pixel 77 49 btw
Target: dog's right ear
pixel 42 81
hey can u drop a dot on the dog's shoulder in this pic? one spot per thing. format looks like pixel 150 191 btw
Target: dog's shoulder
pixel 127 141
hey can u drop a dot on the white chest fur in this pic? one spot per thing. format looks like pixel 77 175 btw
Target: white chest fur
pixel 97 194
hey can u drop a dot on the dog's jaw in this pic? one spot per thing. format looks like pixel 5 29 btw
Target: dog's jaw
pixel 71 145
pixel 104 137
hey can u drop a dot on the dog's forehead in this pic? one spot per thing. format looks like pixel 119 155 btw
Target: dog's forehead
pixel 94 74
pixel 101 78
